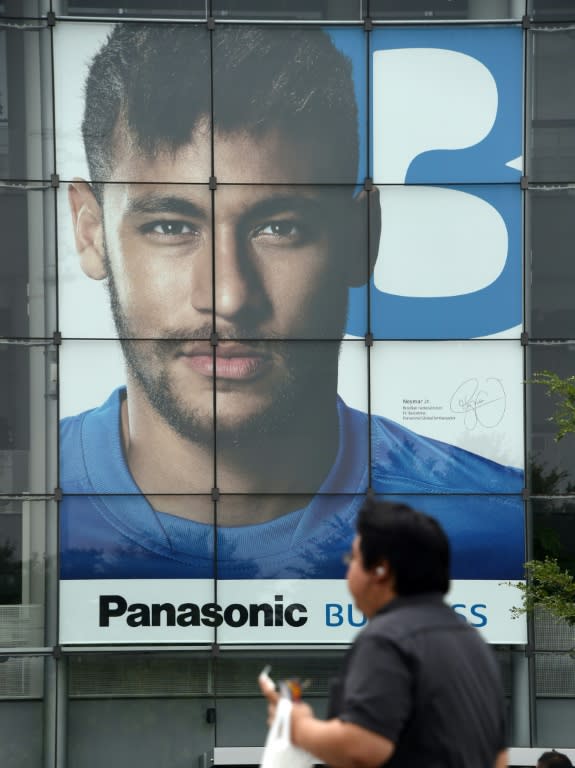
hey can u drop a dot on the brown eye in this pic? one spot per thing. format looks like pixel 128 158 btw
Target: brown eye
pixel 170 228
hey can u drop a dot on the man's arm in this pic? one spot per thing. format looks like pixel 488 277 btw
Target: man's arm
pixel 339 744
pixel 501 761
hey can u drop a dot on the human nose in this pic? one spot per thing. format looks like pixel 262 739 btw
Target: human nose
pixel 233 279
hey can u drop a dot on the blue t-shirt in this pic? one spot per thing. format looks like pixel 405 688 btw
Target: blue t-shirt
pixel 108 529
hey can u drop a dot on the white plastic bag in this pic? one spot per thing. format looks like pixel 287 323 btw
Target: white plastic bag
pixel 279 752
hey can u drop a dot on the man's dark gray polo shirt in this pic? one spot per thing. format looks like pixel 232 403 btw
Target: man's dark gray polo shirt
pixel 419 675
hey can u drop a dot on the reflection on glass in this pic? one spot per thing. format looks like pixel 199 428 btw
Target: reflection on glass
pixel 26 305
pixel 23 392
pixel 552 232
pixel 24 9
pixel 10 556
pixel 189 9
pixel 554 524
pixel 23 124
pixel 22 558
pixel 551 143
pixel 308 10
pixel 551 10
pixel 551 462
pixel 407 10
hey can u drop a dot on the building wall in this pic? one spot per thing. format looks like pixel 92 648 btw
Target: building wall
pixel 70 696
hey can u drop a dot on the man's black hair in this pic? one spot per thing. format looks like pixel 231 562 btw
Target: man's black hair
pixel 554 759
pixel 414 544
pixel 155 80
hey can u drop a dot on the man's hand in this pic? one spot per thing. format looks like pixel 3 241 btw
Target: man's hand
pixel 269 691
pixel 339 744
pixel 299 709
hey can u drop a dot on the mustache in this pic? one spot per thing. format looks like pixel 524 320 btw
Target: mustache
pixel 207 332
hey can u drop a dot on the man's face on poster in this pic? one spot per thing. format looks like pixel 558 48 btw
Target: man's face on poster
pixel 266 266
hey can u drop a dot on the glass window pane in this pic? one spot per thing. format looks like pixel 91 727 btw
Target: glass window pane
pixel 162 93
pixel 552 232
pixel 449 262
pixel 449 416
pixel 306 539
pixel 133 699
pixel 22 565
pixel 24 9
pixel 551 634
pixel 162 588
pixel 296 253
pixel 27 297
pixel 551 10
pixel 555 714
pixel 553 523
pixel 158 435
pixel 551 462
pixel 447 104
pixel 165 9
pixel 25 120
pixel 555 678
pixel 279 89
pixel 21 711
pixel 21 722
pixel 136 537
pixel 284 423
pixel 308 10
pixel 408 10
pixel 550 134
pixel 486 532
pixel 134 676
pixel 151 277
pixel 27 406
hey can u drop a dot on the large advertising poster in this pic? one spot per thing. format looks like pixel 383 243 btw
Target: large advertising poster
pixel 289 277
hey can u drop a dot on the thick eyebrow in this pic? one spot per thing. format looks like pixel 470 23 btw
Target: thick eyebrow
pixel 155 203
pixel 273 205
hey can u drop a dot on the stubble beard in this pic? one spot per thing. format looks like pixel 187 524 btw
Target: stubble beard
pixel 147 362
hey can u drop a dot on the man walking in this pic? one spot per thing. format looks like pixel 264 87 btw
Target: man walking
pixel 419 687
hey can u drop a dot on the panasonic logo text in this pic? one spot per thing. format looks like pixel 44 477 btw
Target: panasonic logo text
pixel 116 608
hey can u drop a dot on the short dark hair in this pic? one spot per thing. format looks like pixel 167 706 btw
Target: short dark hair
pixel 554 759
pixel 414 544
pixel 157 79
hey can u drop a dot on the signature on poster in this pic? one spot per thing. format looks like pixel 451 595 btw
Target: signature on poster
pixel 482 402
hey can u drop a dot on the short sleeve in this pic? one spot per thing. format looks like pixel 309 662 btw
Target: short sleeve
pixel 378 687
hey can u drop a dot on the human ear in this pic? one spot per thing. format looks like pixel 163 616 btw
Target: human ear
pixel 88 229
pixel 360 271
pixel 381 571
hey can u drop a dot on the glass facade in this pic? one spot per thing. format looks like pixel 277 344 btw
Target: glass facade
pixel 262 259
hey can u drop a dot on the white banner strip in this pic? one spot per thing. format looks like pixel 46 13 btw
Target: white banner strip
pixel 251 612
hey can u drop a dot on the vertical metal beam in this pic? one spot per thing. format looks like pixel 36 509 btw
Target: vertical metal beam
pixel 520 709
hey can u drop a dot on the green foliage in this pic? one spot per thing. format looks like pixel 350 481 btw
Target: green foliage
pixel 564 391
pixel 550 587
